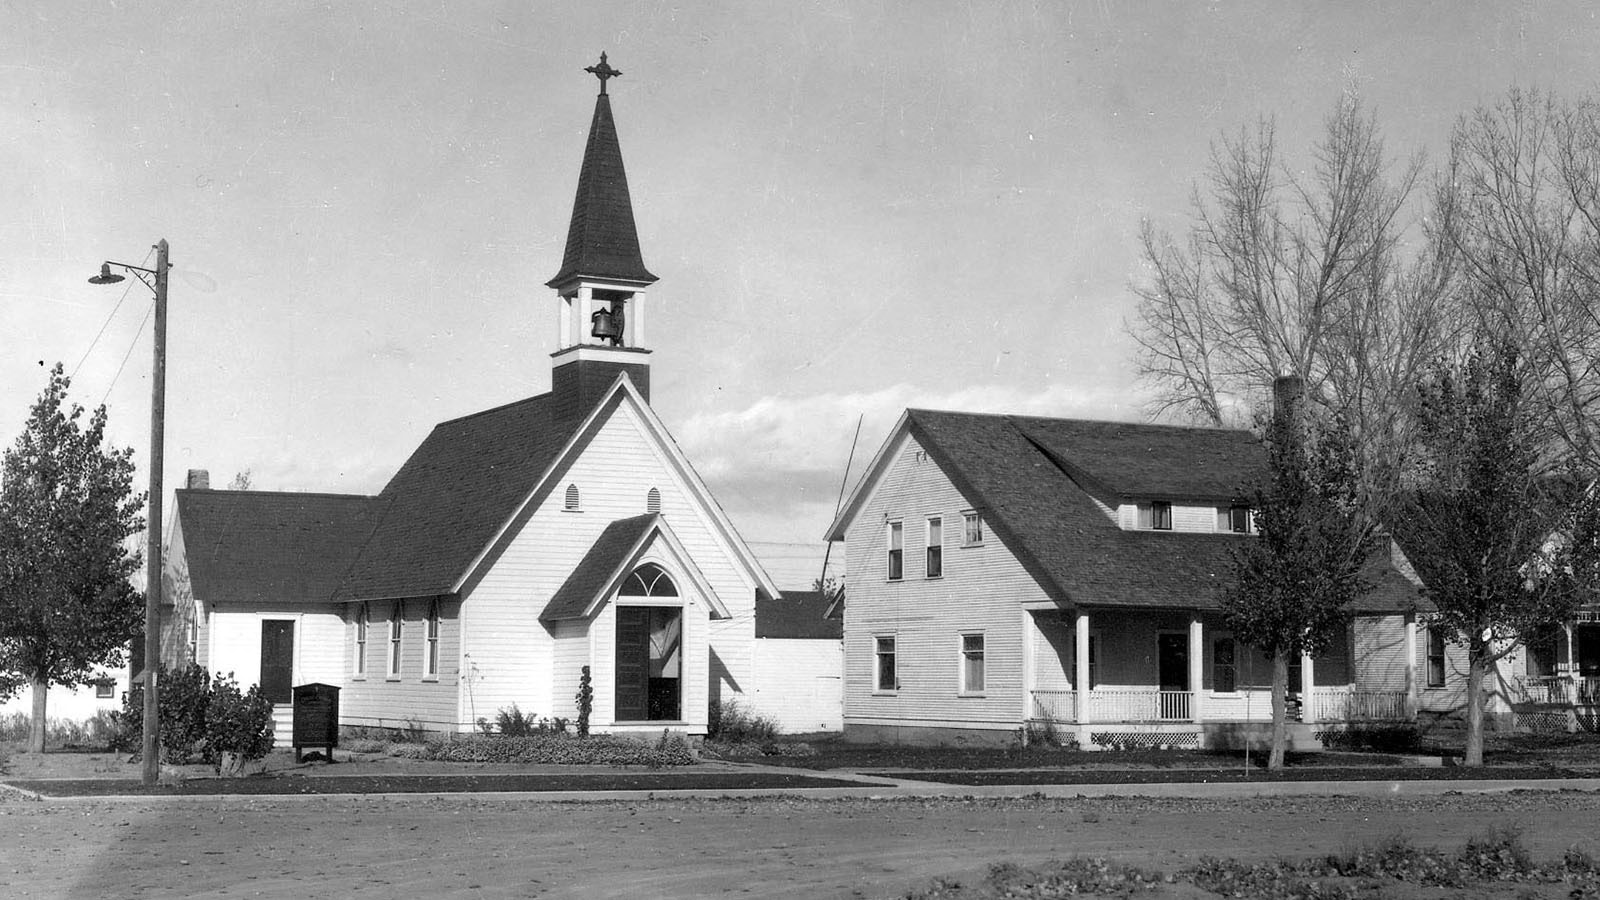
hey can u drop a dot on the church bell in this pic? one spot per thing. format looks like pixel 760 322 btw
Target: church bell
pixel 607 325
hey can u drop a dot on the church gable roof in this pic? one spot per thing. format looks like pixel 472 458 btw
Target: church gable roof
pixel 611 557
pixel 268 546
pixel 602 242
pixel 451 497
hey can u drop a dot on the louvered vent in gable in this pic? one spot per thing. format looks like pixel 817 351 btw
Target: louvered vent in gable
pixel 652 501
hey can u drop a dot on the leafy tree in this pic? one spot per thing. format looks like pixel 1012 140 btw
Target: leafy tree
pixel 1292 585
pixel 66 508
pixel 1504 549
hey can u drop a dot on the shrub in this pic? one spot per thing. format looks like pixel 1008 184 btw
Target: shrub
pixel 1376 738
pixel 730 723
pixel 585 700
pixel 554 748
pixel 512 723
pixel 365 745
pixel 184 694
pixel 237 724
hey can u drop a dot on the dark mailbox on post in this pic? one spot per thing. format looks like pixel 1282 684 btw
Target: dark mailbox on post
pixel 316 718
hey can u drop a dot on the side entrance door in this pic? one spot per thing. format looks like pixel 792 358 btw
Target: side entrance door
pixel 277 659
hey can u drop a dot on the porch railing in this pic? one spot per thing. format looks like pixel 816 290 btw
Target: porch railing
pixel 1139 706
pixel 1560 690
pixel 1060 705
pixel 1131 705
pixel 1338 704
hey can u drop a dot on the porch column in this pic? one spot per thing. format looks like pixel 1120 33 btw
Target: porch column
pixel 585 309
pixel 1197 668
pixel 1413 700
pixel 1080 665
pixel 1308 682
pixel 563 322
pixel 636 319
pixel 1571 669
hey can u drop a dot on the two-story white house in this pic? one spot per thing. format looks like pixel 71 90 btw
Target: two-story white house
pixel 1007 570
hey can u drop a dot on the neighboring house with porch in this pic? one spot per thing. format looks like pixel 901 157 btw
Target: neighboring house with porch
pixel 515 548
pixel 1008 570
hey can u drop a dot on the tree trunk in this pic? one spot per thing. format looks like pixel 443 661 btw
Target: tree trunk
pixel 36 729
pixel 1280 709
pixel 1477 662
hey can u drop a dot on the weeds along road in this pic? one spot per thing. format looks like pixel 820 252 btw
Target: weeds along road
pixel 455 846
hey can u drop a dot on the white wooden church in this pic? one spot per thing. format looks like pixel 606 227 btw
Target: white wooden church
pixel 516 547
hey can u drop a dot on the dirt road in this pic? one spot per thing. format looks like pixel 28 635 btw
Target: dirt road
pixel 504 847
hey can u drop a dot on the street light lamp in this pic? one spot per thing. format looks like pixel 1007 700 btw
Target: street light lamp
pixel 156 280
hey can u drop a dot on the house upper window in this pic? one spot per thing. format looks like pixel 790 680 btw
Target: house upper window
pixel 573 501
pixel 652 501
pixel 1239 519
pixel 1435 658
pixel 1161 515
pixel 431 658
pixel 972 664
pixel 897 550
pixel 194 639
pixel 886 680
pixel 971 529
pixel 935 561
pixel 1224 666
pixel 361 641
pixel 396 632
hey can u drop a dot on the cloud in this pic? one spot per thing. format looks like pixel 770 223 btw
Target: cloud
pixel 776 464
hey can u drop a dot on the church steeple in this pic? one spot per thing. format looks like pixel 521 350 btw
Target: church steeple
pixel 600 287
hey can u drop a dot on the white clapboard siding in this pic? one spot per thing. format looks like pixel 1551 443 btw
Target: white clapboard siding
pixel 798 683
pixel 981 591
pixel 513 654
pixel 411 698
pixel 1379 652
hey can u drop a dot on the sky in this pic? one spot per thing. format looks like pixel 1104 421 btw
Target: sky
pixel 853 207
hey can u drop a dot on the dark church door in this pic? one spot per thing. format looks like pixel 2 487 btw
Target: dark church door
pixel 277 660
pixel 633 663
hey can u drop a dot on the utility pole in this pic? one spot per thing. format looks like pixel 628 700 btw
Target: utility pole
pixel 157 282
pixel 152 587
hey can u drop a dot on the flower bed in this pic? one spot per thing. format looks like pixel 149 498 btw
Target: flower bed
pixel 561 749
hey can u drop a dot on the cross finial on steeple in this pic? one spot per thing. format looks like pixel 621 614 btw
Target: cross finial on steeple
pixel 602 72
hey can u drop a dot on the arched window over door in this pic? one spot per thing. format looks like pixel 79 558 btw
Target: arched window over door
pixel 649 581
pixel 649 658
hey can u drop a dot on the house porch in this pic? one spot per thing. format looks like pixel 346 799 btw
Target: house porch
pixel 1560 690
pixel 1120 678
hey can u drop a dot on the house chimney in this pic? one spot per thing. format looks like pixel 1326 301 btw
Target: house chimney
pixel 199 480
pixel 1288 391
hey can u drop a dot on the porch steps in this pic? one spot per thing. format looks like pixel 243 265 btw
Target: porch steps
pixel 282 726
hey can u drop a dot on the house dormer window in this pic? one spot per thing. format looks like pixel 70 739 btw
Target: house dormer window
pixel 573 501
pixel 1156 516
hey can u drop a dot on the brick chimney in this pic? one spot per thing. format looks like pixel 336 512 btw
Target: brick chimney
pixel 198 480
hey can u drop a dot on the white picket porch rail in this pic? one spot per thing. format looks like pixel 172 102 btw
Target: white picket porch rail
pixel 1344 704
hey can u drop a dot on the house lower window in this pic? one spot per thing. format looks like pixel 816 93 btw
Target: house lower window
pixel 1435 658
pixel 972 664
pixel 1224 667
pixel 887 680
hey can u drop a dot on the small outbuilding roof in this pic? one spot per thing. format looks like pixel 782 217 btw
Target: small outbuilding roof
pixel 797 614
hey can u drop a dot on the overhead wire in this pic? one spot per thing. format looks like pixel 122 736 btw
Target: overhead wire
pixel 131 344
pixel 107 322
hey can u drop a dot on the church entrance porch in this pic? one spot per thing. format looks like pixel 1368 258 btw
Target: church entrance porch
pixel 649 663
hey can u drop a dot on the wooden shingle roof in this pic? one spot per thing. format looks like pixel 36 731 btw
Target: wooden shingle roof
pixel 270 546
pixel 1026 477
pixel 452 496
pixel 602 242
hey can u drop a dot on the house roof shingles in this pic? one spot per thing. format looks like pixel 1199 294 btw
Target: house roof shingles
pixel 451 497
pixel 269 546
pixel 1020 472
pixel 797 614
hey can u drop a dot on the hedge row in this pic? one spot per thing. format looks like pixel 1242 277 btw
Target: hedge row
pixel 563 749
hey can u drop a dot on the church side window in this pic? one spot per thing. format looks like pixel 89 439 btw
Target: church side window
pixel 361 641
pixel 431 664
pixel 396 633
